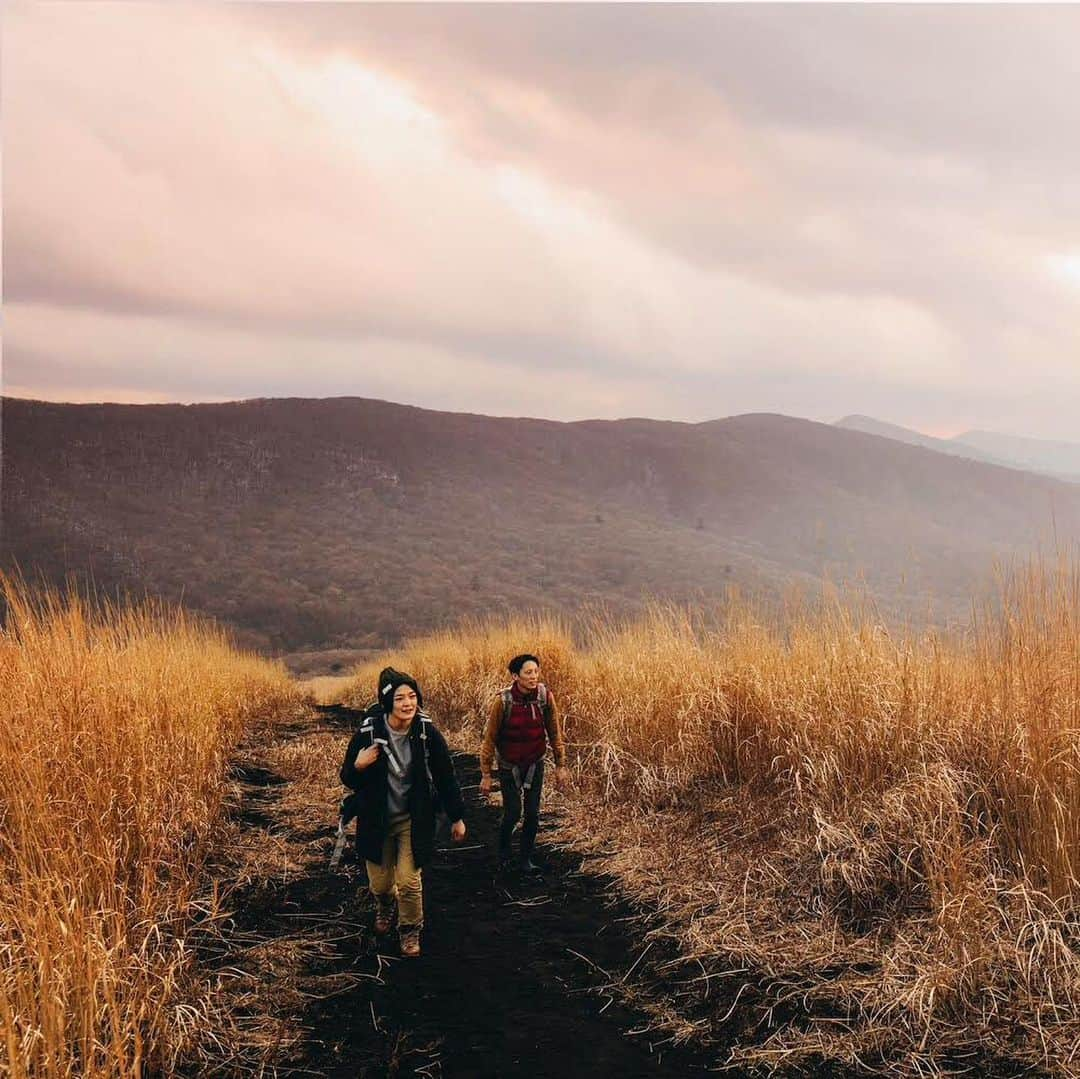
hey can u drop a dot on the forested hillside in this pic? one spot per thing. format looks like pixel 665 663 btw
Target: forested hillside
pixel 349 522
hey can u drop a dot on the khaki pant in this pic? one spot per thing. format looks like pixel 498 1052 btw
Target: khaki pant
pixel 397 875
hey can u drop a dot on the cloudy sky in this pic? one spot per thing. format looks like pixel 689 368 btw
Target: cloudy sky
pixel 674 211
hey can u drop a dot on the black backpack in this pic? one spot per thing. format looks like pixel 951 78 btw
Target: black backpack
pixel 348 809
pixel 386 680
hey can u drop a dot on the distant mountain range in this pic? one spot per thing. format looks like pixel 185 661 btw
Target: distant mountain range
pixel 1058 459
pixel 349 522
pixel 1054 458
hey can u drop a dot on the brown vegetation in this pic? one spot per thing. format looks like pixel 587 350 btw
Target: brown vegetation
pixel 115 730
pixel 875 836
pixel 295 521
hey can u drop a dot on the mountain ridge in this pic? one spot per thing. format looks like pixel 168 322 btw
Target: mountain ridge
pixel 1055 458
pixel 348 522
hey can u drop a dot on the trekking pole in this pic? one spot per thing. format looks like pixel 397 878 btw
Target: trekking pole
pixel 339 843
pixel 346 815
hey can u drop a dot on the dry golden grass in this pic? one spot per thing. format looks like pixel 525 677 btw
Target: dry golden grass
pixel 325 688
pixel 115 729
pixel 888 821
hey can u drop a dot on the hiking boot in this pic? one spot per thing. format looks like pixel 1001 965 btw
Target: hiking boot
pixel 384 917
pixel 410 941
pixel 527 865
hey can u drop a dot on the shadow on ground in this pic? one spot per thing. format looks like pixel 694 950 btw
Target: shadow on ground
pixel 538 977
pixel 519 975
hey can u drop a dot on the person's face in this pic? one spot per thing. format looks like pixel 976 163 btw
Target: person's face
pixel 529 676
pixel 404 704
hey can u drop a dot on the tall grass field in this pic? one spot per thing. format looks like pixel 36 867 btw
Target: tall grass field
pixel 116 725
pixel 882 827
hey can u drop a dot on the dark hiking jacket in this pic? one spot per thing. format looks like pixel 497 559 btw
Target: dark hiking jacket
pixel 371 787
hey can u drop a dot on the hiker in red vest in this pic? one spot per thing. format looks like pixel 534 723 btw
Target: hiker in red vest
pixel 522 718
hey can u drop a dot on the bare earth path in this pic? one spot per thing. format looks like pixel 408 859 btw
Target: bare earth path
pixel 511 982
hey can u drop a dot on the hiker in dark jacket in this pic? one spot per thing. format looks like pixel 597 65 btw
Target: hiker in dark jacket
pixel 521 721
pixel 388 764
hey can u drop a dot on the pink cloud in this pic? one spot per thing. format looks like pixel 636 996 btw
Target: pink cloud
pixel 634 196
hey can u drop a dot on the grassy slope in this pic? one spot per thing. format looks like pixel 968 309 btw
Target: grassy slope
pixel 115 731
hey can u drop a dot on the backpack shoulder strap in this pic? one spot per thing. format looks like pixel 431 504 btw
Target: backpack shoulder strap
pixel 544 699
pixel 367 726
pixel 507 702
pixel 425 722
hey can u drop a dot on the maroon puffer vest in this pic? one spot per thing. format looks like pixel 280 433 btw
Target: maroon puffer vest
pixel 522 737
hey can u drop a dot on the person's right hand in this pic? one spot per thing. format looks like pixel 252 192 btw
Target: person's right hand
pixel 485 784
pixel 366 757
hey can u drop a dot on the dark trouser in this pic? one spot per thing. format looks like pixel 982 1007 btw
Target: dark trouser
pixel 511 796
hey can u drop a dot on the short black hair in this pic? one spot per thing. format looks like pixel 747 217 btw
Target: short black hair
pixel 518 662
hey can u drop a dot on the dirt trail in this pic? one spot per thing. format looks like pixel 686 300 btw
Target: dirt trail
pixel 519 976
pixel 513 973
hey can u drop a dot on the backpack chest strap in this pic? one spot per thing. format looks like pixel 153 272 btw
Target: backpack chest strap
pixel 530 774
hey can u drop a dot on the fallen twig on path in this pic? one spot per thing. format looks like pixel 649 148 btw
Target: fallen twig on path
pixel 596 966
pixel 636 961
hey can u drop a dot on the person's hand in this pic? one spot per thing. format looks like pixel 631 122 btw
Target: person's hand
pixel 457 831
pixel 562 778
pixel 485 785
pixel 366 757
